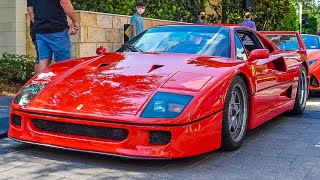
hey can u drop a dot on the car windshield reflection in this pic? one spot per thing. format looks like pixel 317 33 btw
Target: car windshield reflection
pixel 203 40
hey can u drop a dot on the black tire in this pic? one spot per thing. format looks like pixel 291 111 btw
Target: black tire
pixel 302 93
pixel 229 140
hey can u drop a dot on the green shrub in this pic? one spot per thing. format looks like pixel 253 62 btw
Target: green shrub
pixel 15 68
pixel 160 9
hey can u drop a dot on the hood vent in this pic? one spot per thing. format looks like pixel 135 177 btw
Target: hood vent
pixel 102 65
pixel 154 67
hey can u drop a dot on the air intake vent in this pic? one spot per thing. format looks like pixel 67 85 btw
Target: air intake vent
pixel 159 137
pixel 81 130
pixel 102 65
pixel 16 120
pixel 314 81
pixel 154 67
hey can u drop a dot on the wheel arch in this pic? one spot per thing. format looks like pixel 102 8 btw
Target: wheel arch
pixel 248 82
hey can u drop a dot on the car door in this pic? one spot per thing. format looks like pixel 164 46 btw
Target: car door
pixel 268 78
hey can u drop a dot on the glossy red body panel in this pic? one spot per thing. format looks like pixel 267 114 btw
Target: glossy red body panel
pixel 113 90
pixel 315 68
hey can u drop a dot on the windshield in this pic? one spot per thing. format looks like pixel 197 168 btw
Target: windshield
pixel 204 40
pixel 311 42
pixel 285 42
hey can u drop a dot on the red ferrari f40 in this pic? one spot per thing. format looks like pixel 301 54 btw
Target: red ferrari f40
pixel 171 92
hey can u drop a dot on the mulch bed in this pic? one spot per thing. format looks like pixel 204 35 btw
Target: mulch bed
pixel 9 89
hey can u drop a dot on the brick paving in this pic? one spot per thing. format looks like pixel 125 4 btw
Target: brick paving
pixel 284 148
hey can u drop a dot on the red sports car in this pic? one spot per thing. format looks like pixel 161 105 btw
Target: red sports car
pixel 173 91
pixel 312 43
pixel 293 41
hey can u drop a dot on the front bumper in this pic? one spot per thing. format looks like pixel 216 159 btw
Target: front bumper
pixel 186 140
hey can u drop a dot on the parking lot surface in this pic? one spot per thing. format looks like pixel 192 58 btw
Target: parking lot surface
pixel 288 147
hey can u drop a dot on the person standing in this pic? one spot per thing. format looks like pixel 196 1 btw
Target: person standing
pixel 52 30
pixel 248 21
pixel 137 22
pixel 201 17
pixel 32 33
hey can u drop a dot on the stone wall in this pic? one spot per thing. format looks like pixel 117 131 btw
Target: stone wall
pixel 12 26
pixel 99 29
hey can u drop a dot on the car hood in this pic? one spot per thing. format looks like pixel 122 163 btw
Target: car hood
pixel 117 84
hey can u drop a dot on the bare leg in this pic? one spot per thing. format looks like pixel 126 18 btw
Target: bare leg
pixel 43 64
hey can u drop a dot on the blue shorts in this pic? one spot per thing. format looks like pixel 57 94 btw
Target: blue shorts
pixel 35 44
pixel 57 44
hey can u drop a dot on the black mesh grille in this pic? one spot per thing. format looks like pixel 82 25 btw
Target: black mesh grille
pixel 159 137
pixel 81 130
pixel 16 120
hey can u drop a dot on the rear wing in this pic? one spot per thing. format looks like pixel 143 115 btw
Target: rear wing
pixel 286 40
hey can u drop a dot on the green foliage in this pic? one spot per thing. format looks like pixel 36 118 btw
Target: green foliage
pixel 16 68
pixel 311 27
pixel 291 21
pixel 269 15
pixel 161 9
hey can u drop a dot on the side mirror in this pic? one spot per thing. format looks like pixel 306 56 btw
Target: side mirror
pixel 101 50
pixel 259 54
pixel 302 52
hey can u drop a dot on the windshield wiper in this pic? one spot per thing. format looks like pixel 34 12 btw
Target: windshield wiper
pixel 132 48
pixel 172 46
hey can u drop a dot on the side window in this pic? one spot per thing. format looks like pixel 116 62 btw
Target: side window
pixel 249 40
pixel 241 53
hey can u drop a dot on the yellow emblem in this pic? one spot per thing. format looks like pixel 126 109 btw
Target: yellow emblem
pixel 253 71
pixel 127 31
pixel 80 106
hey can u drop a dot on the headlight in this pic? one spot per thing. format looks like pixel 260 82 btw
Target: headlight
pixel 311 62
pixel 27 93
pixel 166 105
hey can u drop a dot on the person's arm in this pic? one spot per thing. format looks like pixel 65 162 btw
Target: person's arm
pixel 134 31
pixel 133 25
pixel 31 13
pixel 69 10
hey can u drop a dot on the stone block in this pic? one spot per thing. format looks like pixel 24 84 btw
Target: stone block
pixel 7 15
pixel 147 24
pixel 77 17
pixel 119 21
pixel 75 51
pixel 96 34
pixel 116 46
pixel 10 38
pixel 77 37
pixel 104 21
pixel 87 49
pixel 2 42
pixel 88 19
pixel 21 50
pixel 9 3
pixel 84 34
pixel 113 36
pixel 20 38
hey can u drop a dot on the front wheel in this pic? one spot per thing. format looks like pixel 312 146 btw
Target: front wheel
pixel 302 93
pixel 235 115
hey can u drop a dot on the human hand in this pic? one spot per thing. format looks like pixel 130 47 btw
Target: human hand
pixel 74 28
